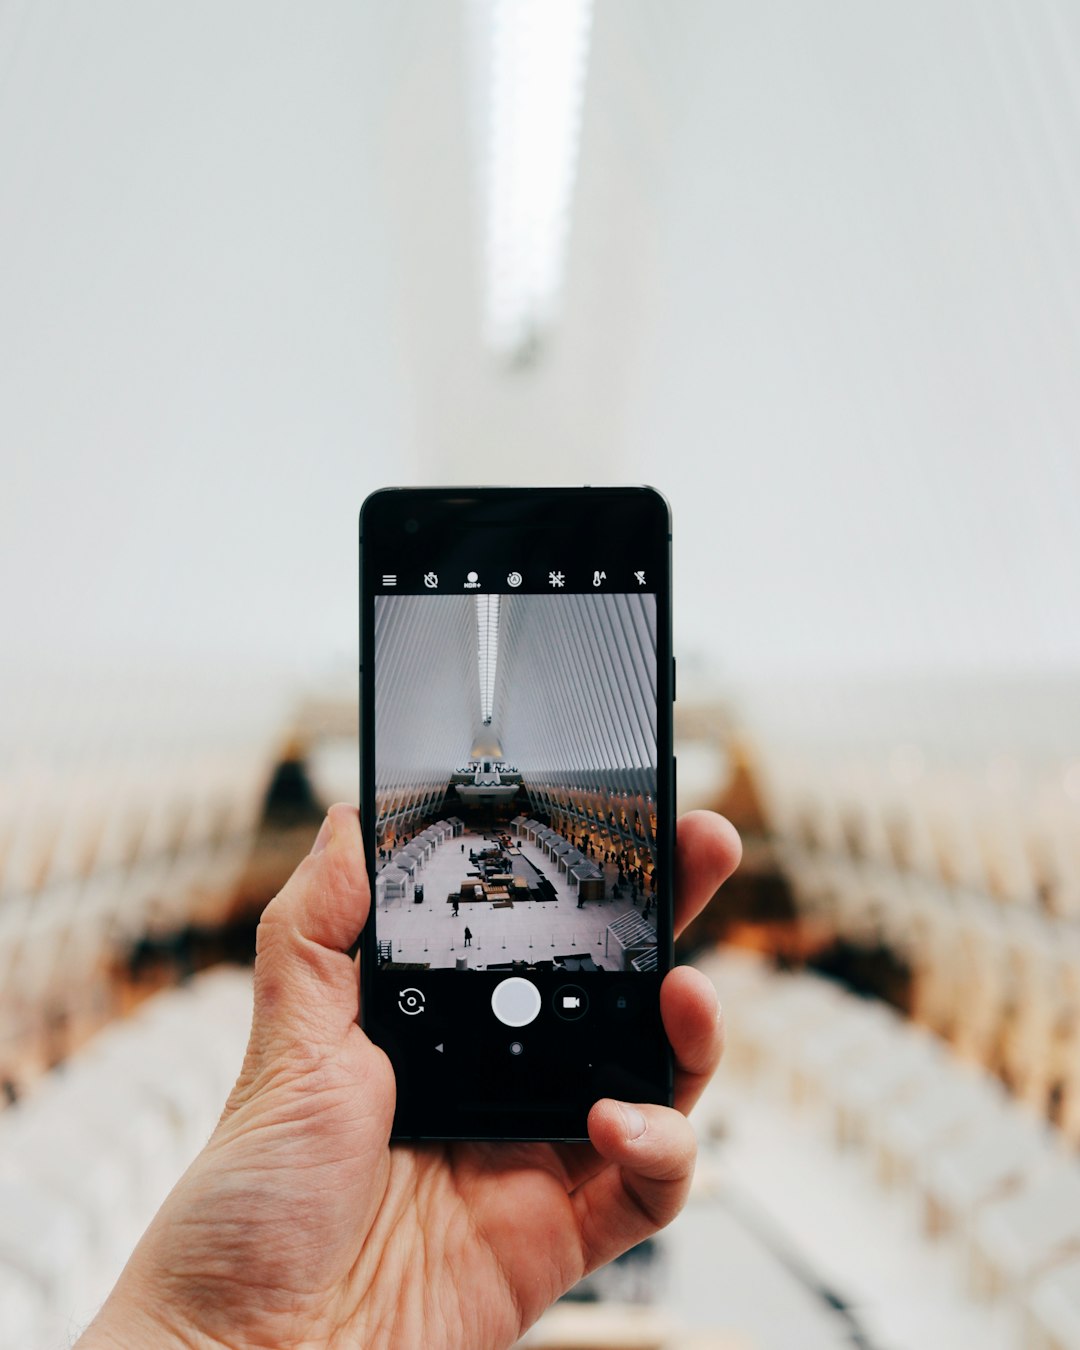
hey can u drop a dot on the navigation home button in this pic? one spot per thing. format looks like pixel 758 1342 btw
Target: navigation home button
pixel 516 1002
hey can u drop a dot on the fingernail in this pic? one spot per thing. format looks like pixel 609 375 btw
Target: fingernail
pixel 326 833
pixel 633 1120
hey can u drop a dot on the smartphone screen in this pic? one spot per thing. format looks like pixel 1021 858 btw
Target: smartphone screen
pixel 517 803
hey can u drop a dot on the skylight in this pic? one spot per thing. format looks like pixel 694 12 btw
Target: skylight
pixel 531 64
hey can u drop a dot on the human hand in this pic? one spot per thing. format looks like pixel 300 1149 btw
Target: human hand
pixel 300 1225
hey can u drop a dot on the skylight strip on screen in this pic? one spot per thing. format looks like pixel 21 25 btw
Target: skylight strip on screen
pixel 487 639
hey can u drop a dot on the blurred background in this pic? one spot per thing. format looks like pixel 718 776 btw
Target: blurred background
pixel 813 272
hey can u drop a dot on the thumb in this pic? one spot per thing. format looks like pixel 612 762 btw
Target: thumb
pixel 306 991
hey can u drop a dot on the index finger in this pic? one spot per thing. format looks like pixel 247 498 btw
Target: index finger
pixel 707 850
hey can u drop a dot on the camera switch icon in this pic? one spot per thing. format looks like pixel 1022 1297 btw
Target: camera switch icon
pixel 411 1001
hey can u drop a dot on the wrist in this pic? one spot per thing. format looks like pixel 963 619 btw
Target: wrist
pixel 128 1321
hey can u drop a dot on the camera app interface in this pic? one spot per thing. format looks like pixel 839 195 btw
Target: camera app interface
pixel 515 769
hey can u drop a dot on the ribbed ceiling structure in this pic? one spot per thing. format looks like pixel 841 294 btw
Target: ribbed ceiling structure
pixel 578 692
pixel 427 697
pixel 573 705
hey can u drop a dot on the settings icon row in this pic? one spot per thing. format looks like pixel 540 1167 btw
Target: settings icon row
pixel 557 580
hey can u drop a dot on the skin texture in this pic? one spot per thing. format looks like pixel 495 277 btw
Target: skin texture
pixel 299 1225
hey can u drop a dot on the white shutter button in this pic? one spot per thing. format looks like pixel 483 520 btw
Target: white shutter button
pixel 516 1002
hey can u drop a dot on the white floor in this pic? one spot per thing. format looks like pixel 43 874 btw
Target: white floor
pixel 780 1216
pixel 532 930
pixel 787 1244
pixel 780 1219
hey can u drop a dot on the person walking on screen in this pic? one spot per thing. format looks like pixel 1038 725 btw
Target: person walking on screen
pixel 456 903
pixel 468 936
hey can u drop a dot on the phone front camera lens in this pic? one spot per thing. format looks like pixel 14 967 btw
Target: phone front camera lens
pixel 411 526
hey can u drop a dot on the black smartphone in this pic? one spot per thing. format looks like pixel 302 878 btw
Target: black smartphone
pixel 517 799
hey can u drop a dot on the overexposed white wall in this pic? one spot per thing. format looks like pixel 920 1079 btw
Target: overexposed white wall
pixel 822 290
pixel 198 378
pixel 864 332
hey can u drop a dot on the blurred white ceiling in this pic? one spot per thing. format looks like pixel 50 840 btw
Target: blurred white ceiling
pixel 822 288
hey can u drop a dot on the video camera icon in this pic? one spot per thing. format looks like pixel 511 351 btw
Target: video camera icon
pixel 571 1002
pixel 411 1001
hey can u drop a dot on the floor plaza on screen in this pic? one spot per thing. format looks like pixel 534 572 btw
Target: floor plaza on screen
pixel 516 782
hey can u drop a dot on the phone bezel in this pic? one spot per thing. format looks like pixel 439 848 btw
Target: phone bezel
pixel 390 517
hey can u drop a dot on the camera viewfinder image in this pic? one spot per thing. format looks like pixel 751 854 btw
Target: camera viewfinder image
pixel 516 783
